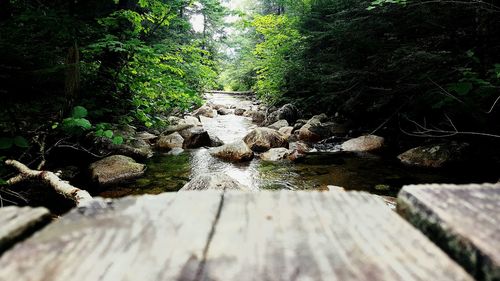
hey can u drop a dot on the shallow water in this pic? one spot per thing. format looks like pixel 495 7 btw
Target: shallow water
pixel 373 173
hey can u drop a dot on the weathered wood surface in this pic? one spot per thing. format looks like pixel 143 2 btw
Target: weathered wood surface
pixel 240 236
pixel 16 223
pixel 464 220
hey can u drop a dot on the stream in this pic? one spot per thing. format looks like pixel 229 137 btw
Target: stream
pixel 378 174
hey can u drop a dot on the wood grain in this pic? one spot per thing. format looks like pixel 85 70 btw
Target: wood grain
pixel 320 236
pixel 464 220
pixel 17 223
pixel 147 238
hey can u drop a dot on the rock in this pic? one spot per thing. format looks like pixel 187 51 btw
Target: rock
pixel 298 151
pixel 224 111
pixel 233 152
pixel 286 131
pixel 135 148
pixel 435 156
pixel 183 124
pixel 288 112
pixel 363 144
pixel 279 124
pixel 262 139
pixel 335 188
pixel 256 115
pixel 315 130
pixel 299 123
pixel 215 141
pixel 275 154
pixel 146 136
pixel 195 138
pixel 173 120
pixel 174 140
pixel 239 111
pixel 217 181
pixel 115 169
pixel 206 111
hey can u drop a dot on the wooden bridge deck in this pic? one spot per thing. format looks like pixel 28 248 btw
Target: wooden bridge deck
pixel 231 236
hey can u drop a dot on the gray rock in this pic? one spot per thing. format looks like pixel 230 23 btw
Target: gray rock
pixel 174 140
pixel 224 111
pixel 363 144
pixel 239 111
pixel 115 169
pixel 195 138
pixel 206 111
pixel 435 156
pixel 289 112
pixel 279 124
pixel 215 141
pixel 275 154
pixel 233 152
pixel 262 139
pixel 286 131
pixel 216 181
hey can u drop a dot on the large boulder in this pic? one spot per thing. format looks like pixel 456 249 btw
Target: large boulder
pixel 435 156
pixel 206 111
pixel 298 151
pixel 115 169
pixel 262 139
pixel 195 137
pixel 174 140
pixel 279 124
pixel 288 112
pixel 275 154
pixel 224 111
pixel 286 131
pixel 317 129
pixel 363 144
pixel 182 124
pixel 216 181
pixel 233 152
pixel 135 148
pixel 215 141
pixel 257 116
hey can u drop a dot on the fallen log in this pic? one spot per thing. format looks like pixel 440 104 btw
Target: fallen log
pixel 81 197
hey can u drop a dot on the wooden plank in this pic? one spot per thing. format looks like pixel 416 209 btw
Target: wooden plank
pixel 320 236
pixel 18 223
pixel 464 220
pixel 147 238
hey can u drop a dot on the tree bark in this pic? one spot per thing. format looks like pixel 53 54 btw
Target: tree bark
pixel 81 197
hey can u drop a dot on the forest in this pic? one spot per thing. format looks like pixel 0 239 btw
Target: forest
pixel 250 140
pixel 77 76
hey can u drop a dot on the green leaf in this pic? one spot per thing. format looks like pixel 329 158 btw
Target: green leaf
pixel 79 112
pixel 3 182
pixel 461 88
pixel 6 143
pixel 118 140
pixel 108 134
pixel 21 142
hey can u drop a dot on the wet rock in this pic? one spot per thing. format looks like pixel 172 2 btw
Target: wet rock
pixel 174 140
pixel 363 144
pixel 239 111
pixel 215 141
pixel 216 181
pixel 275 154
pixel 195 137
pixel 279 124
pixel 206 111
pixel 262 139
pixel 286 131
pixel 224 111
pixel 288 112
pixel 233 152
pixel 115 169
pixel 135 148
pixel 298 151
pixel 435 156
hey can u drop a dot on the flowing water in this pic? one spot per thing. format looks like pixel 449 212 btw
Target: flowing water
pixel 373 173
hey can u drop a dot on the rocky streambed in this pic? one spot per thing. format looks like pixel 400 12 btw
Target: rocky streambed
pixel 235 142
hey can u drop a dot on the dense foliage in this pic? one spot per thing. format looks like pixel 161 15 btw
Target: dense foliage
pixel 415 64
